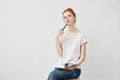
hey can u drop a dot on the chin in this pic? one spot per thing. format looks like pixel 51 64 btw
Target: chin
pixel 70 24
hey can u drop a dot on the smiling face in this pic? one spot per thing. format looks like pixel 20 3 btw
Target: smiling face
pixel 69 16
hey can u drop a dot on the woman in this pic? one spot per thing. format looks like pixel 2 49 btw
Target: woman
pixel 71 48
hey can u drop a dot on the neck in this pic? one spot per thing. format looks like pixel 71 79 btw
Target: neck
pixel 72 28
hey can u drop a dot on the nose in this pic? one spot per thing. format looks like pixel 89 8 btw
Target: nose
pixel 67 18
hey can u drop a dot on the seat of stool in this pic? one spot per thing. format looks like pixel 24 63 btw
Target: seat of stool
pixel 76 79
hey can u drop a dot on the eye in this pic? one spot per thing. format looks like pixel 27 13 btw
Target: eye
pixel 64 17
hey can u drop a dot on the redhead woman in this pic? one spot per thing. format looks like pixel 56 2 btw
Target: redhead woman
pixel 71 48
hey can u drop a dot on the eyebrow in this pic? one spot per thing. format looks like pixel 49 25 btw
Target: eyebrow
pixel 68 15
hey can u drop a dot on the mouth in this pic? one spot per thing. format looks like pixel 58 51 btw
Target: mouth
pixel 68 21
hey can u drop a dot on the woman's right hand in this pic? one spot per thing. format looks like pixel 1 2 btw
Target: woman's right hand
pixel 59 32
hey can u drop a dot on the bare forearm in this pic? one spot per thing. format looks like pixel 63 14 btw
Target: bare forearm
pixel 83 54
pixel 80 60
pixel 77 63
pixel 59 47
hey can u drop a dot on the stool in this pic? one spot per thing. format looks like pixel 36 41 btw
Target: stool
pixel 76 79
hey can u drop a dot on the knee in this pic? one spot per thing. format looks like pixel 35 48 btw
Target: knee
pixel 52 76
pixel 55 75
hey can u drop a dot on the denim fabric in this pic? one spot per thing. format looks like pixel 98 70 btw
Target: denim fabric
pixel 61 74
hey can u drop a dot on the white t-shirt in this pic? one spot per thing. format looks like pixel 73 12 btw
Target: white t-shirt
pixel 71 49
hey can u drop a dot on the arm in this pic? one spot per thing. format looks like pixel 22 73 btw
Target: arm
pixel 59 47
pixel 82 56
pixel 58 44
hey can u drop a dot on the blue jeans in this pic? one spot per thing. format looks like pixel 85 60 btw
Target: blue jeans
pixel 61 74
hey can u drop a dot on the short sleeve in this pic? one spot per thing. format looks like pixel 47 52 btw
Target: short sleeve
pixel 83 39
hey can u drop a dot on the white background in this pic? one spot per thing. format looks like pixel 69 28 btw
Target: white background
pixel 27 31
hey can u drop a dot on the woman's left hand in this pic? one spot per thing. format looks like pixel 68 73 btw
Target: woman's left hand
pixel 70 67
pixel 74 66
